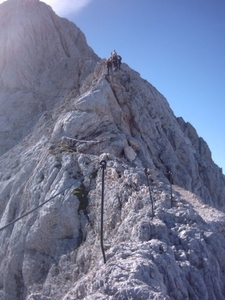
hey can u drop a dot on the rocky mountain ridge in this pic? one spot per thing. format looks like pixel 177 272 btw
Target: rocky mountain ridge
pixel 171 250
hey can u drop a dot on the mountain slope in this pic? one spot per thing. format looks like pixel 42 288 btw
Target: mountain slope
pixel 42 57
pixel 161 241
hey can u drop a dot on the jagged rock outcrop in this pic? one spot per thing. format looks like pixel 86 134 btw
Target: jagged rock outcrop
pixel 156 246
pixel 133 114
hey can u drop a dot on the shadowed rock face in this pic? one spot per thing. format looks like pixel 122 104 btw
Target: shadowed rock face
pixel 77 116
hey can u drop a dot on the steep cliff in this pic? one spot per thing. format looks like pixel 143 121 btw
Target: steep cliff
pixel 164 236
pixel 42 57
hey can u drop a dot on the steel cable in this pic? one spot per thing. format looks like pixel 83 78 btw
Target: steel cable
pixel 37 207
pixel 150 192
pixel 103 167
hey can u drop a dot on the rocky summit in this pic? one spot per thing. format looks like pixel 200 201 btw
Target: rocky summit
pixel 104 193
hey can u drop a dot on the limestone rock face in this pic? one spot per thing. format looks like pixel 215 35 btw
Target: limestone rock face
pixel 42 58
pixel 164 235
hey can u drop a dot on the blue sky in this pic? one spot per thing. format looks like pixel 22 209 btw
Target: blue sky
pixel 177 45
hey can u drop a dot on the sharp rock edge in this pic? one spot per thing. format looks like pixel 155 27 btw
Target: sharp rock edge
pixel 61 115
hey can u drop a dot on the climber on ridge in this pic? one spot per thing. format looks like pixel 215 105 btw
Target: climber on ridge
pixel 119 59
pixel 114 60
pixel 109 64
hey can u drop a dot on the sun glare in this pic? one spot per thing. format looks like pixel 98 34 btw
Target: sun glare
pixel 65 7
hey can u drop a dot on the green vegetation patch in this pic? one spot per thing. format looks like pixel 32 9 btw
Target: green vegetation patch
pixel 81 193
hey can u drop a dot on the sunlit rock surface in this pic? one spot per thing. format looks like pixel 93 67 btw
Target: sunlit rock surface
pixel 42 57
pixel 61 117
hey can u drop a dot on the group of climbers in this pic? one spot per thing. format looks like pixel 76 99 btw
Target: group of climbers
pixel 114 61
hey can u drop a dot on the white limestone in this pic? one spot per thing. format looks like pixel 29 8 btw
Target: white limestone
pixel 81 117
